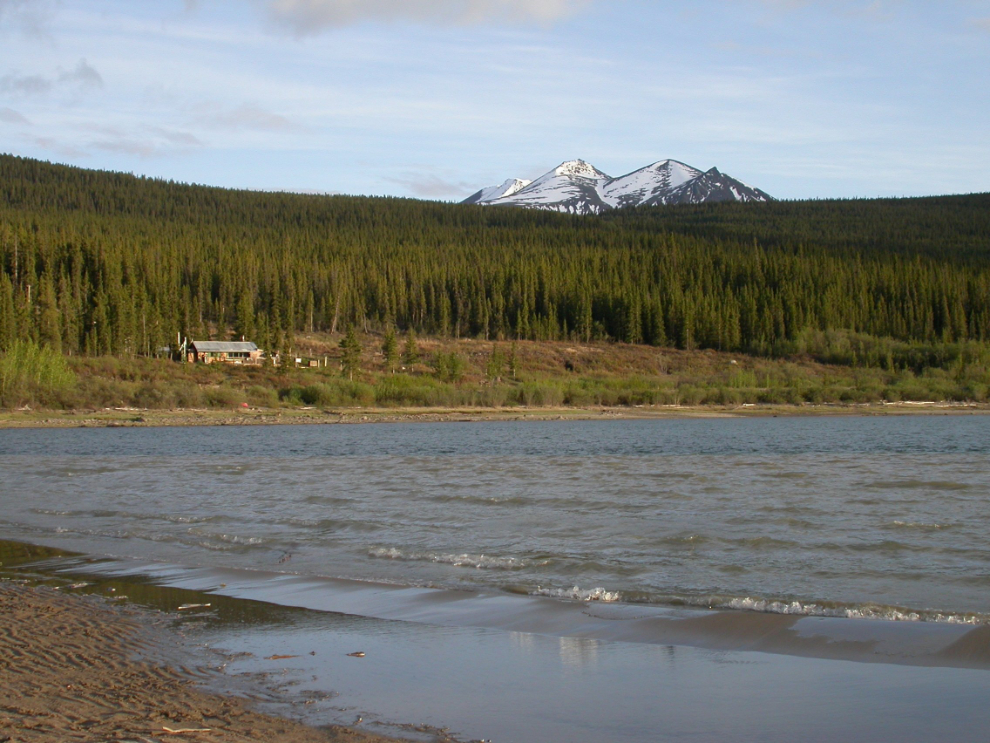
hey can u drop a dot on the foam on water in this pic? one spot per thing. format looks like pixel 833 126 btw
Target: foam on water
pixel 481 562
pixel 579 594
pixel 864 611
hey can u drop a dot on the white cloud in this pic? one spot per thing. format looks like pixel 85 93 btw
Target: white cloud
pixel 305 17
pixel 981 23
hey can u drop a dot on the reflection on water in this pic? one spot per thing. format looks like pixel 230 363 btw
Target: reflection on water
pixel 578 653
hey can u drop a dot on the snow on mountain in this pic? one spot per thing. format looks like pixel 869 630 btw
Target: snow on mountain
pixel 577 187
pixel 571 187
pixel 496 192
pixel 647 184
pixel 715 186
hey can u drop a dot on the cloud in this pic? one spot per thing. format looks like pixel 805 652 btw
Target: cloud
pixel 177 138
pixel 25 84
pixel 432 186
pixel 307 17
pixel 10 116
pixel 246 116
pixel 30 16
pixel 981 23
pixel 82 77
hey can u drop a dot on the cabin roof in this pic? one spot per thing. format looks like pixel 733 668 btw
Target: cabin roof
pixel 223 346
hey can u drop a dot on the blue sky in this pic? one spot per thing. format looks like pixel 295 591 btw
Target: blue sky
pixel 437 98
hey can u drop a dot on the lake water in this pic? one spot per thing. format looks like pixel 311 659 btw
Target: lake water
pixel 525 582
pixel 880 517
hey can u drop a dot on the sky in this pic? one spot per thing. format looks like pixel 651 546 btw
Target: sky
pixel 435 99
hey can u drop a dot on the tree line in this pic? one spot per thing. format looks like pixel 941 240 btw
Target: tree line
pixel 103 263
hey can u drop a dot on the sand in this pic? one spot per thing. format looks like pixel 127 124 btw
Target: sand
pixel 133 417
pixel 77 668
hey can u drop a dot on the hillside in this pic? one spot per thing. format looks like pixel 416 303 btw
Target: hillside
pixel 97 263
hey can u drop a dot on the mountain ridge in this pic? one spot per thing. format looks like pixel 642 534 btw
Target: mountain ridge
pixel 577 187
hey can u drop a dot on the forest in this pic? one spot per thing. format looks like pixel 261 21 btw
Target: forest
pixel 98 264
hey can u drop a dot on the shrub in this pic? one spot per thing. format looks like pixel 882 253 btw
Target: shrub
pixel 32 373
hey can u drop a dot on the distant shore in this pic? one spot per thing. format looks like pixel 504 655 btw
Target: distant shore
pixel 134 417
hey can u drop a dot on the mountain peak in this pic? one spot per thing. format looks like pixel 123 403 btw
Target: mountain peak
pixel 577 187
pixel 580 169
pixel 485 195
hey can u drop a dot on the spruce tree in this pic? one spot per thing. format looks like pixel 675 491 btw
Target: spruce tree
pixel 350 359
pixel 390 350
pixel 410 353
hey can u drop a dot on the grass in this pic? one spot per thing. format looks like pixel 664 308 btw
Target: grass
pixel 469 373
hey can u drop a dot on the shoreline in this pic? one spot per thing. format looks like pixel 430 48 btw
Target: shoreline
pixel 79 667
pixel 256 416
pixel 117 659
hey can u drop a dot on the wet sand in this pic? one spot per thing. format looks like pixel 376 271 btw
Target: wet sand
pixel 460 666
pixel 134 417
pixel 76 668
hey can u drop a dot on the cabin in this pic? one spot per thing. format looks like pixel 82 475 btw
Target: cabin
pixel 223 352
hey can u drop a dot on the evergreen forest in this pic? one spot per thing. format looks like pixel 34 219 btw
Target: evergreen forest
pixel 96 263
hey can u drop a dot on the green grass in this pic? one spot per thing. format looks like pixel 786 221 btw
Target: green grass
pixel 474 373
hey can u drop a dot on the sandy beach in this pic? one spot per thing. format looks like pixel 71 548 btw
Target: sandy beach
pixel 76 668
pixel 134 417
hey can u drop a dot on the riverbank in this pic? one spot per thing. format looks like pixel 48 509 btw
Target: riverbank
pixel 138 417
pixel 77 668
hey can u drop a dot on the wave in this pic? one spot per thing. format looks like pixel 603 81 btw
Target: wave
pixel 579 594
pixel 919 525
pixel 768 606
pixel 853 611
pixel 481 562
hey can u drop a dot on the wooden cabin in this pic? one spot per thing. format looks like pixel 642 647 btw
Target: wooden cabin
pixel 223 352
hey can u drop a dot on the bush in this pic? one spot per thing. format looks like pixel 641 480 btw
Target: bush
pixel 32 373
pixel 537 394
pixel 264 397
pixel 223 397
pixel 448 367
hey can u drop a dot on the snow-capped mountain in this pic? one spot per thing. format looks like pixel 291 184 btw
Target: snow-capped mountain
pixel 508 188
pixel 579 188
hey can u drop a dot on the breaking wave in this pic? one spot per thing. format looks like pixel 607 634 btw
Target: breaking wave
pixel 481 562
pixel 579 594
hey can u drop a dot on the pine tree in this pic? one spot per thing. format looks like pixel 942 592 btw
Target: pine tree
pixel 8 315
pixel 410 352
pixel 390 350
pixel 350 360
pixel 495 365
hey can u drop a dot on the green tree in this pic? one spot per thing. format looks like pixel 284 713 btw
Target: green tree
pixel 448 367
pixel 390 350
pixel 410 351
pixel 350 360
pixel 495 366
pixel 8 313
pixel 245 327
